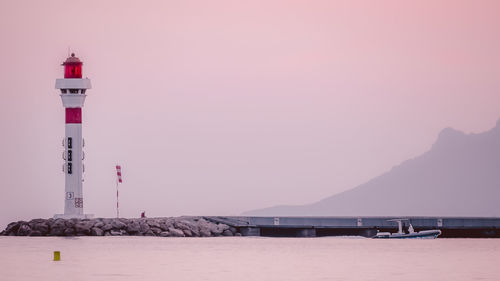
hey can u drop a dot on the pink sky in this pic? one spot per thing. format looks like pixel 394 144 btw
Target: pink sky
pixel 217 107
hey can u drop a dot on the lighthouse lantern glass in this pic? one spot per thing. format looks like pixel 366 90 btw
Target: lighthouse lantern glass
pixel 73 70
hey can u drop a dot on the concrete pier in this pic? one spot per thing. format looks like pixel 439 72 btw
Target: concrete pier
pixel 451 227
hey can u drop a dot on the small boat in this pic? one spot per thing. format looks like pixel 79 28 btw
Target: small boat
pixel 424 234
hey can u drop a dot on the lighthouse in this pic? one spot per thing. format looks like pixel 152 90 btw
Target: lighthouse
pixel 73 92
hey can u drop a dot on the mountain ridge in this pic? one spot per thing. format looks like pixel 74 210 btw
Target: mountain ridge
pixel 458 176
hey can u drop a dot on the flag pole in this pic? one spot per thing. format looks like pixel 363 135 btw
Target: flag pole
pixel 117 206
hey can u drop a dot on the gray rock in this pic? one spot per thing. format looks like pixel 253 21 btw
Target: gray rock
pixel 164 234
pixel 57 228
pixel 227 232
pixel 149 233
pixel 70 223
pixel 95 231
pixel 133 228
pixel 107 233
pixel 156 230
pixel 237 234
pixel 176 232
pixel 107 227
pixel 187 233
pixel 117 224
pixel 205 232
pixel 83 227
pixel 24 230
pixel 35 233
pixel 115 232
pixel 12 227
pixel 144 227
pixel 153 223
pixel 99 224
pixel 42 227
pixel 69 231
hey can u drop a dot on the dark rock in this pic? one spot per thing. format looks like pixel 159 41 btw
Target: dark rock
pixel 107 227
pixel 144 227
pixel 156 230
pixel 237 234
pixel 24 230
pixel 118 224
pixel 35 233
pixel 70 223
pixel 187 233
pixel 12 227
pixel 69 231
pixel 57 228
pixel 99 224
pixel 153 223
pixel 42 227
pixel 115 232
pixel 227 232
pixel 149 233
pixel 133 228
pixel 95 231
pixel 176 232
pixel 164 234
pixel 83 227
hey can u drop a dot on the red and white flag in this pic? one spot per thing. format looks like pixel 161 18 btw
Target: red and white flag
pixel 119 173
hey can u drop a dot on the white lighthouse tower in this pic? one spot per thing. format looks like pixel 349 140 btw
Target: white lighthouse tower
pixel 73 89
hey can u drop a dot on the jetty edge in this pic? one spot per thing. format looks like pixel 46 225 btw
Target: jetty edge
pixel 161 227
pixel 280 226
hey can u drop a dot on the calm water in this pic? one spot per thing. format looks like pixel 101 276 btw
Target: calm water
pixel 237 258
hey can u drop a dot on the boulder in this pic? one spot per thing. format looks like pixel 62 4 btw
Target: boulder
pixel 227 232
pixel 95 231
pixel 164 234
pixel 42 227
pixel 99 224
pixel 133 228
pixel 35 233
pixel 70 223
pixel 107 227
pixel 187 233
pixel 144 227
pixel 153 223
pixel 57 228
pixel 117 224
pixel 12 227
pixel 115 232
pixel 156 230
pixel 83 227
pixel 24 230
pixel 149 233
pixel 69 231
pixel 176 232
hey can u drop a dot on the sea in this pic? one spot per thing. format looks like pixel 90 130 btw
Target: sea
pixel 247 258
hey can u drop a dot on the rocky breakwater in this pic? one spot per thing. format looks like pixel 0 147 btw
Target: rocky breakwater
pixel 162 227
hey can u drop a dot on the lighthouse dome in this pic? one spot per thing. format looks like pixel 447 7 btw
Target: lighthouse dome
pixel 72 67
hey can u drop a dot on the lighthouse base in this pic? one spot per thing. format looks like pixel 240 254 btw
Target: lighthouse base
pixel 83 216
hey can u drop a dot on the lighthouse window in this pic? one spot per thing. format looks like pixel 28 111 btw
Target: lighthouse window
pixel 73 91
pixel 70 155
pixel 70 142
pixel 63 91
pixel 70 168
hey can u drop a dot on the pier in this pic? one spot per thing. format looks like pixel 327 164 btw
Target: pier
pixel 451 227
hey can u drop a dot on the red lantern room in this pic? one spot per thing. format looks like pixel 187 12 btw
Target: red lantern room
pixel 72 67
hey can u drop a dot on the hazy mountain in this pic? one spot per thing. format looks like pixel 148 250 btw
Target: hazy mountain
pixel 458 176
